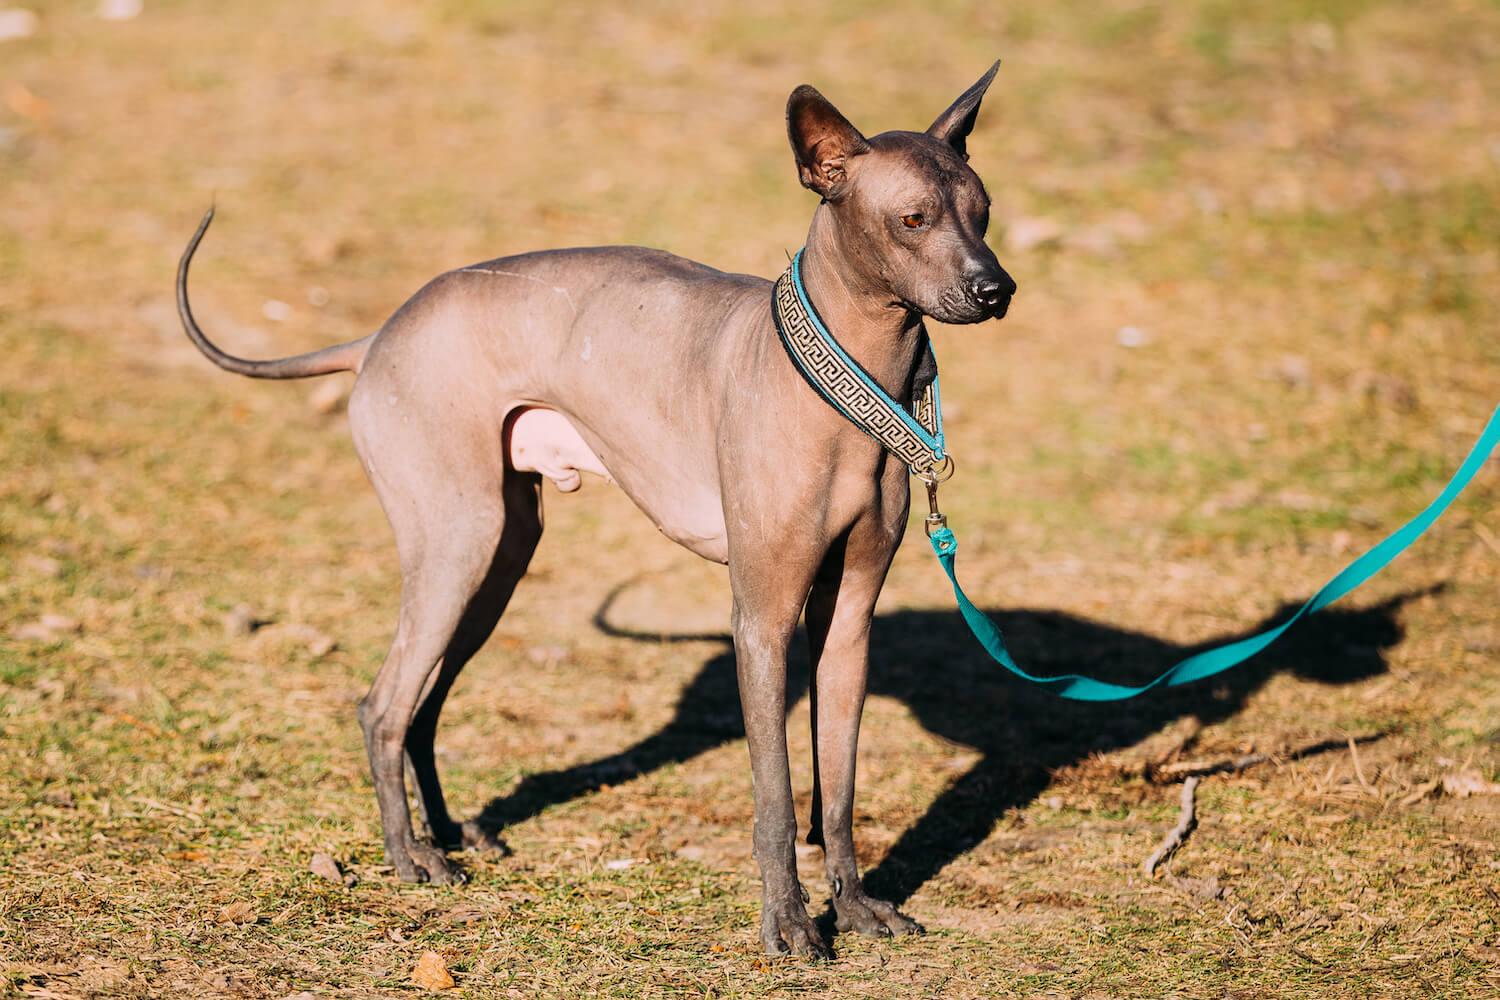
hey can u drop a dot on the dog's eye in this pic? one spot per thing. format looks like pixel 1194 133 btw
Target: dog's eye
pixel 914 221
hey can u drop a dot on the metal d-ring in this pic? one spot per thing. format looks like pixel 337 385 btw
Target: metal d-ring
pixel 939 471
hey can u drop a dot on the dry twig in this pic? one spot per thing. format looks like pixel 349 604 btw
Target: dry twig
pixel 1167 773
pixel 1359 772
pixel 1175 836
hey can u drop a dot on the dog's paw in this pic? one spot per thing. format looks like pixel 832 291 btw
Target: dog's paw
pixel 871 917
pixel 474 837
pixel 789 929
pixel 422 863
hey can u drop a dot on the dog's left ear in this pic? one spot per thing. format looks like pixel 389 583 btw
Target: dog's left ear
pixel 954 125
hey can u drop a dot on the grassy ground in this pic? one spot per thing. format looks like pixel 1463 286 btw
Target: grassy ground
pixel 1261 333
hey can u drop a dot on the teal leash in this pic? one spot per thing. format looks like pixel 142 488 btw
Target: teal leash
pixel 1220 658
pixel 848 388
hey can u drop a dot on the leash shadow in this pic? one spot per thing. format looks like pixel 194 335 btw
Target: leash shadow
pixel 928 661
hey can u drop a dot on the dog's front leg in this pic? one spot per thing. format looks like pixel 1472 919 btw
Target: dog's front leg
pixel 766 608
pixel 839 614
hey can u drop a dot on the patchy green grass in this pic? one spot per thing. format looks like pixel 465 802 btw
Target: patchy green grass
pixel 1265 337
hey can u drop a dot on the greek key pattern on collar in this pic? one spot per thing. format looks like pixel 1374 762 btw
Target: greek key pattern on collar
pixel 839 383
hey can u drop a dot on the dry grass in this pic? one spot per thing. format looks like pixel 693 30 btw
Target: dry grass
pixel 1296 204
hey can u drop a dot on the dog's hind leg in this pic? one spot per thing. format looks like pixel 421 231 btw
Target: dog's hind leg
pixel 465 526
pixel 518 539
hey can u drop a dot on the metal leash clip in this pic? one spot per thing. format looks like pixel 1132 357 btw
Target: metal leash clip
pixel 938 472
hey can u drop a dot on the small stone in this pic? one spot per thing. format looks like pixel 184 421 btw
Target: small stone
pixel 1097 240
pixel 1462 784
pixel 327 397
pixel 1293 369
pixel 316 642
pixel 47 628
pixel 1029 233
pixel 17 22
pixel 32 632
pixel 43 566
pixel 546 655
pixel 239 621
pixel 60 798
pixel 276 311
pixel 120 10
pixel 1131 336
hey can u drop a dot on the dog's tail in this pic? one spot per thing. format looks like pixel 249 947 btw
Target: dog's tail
pixel 342 358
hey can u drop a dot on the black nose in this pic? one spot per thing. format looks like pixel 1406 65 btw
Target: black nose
pixel 991 291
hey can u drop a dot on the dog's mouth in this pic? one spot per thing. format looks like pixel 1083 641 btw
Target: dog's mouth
pixel 959 307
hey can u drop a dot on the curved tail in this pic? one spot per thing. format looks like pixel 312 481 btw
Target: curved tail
pixel 341 358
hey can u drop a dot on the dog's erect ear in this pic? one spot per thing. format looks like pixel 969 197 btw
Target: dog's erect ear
pixel 954 125
pixel 823 141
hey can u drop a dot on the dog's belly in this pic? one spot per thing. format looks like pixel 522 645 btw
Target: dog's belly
pixel 542 440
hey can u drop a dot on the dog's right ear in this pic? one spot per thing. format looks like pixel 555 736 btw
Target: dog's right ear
pixel 823 140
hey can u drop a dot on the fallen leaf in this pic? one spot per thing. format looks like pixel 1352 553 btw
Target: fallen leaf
pixel 323 865
pixel 238 912
pixel 432 972
pixel 26 104
pixel 466 915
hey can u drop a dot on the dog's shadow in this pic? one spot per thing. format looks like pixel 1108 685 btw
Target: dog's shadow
pixel 929 661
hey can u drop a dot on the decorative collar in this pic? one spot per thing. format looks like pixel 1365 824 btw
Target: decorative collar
pixel 915 438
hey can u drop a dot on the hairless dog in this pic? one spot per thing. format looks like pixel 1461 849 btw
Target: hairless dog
pixel 667 378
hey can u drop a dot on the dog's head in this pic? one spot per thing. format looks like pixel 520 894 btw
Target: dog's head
pixel 907 210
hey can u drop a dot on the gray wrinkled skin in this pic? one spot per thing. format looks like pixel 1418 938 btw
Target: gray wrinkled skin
pixel 666 377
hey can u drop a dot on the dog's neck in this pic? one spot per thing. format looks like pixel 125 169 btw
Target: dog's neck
pixel 882 334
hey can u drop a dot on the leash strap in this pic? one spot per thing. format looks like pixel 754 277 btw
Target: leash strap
pixel 1221 658
pixel 918 441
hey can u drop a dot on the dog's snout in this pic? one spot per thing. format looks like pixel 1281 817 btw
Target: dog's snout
pixel 993 291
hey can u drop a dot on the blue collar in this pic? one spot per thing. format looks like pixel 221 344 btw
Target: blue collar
pixel 914 437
